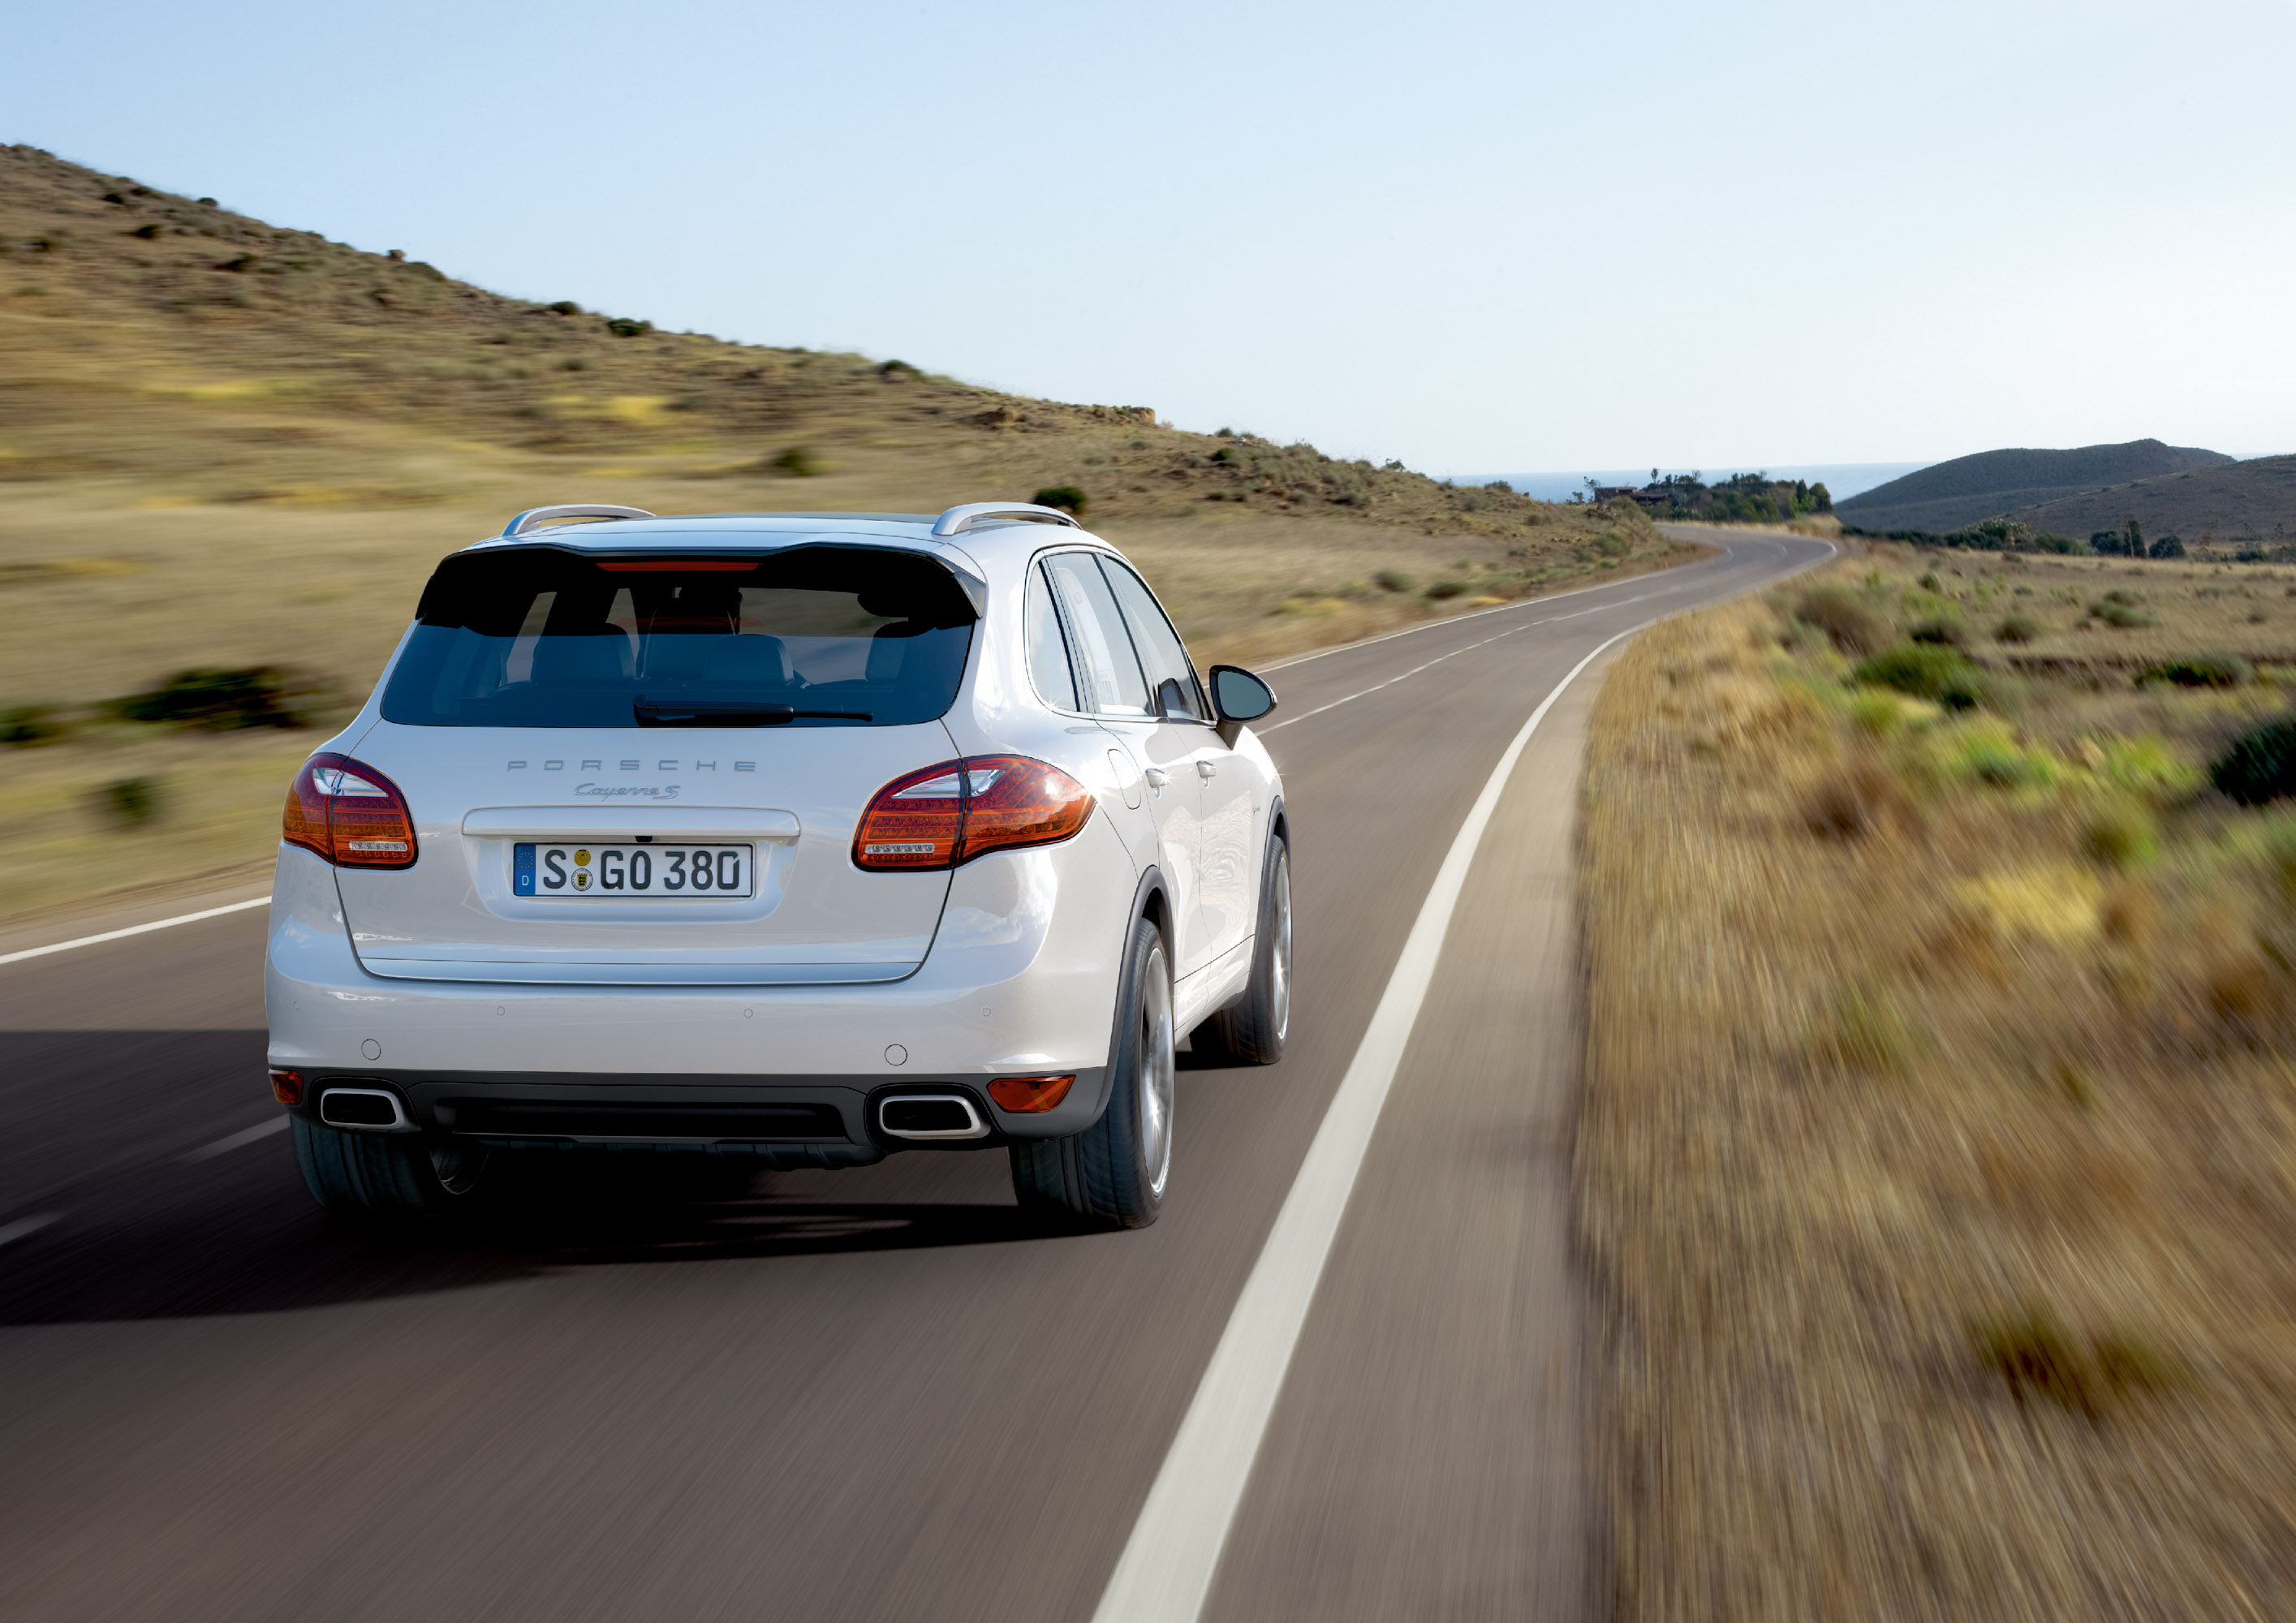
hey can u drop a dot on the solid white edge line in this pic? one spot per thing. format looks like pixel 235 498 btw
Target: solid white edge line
pixel 137 929
pixel 1166 1567
pixel 32 1225
pixel 245 1136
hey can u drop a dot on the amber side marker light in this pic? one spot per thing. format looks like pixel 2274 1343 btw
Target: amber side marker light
pixel 287 1086
pixel 1027 1095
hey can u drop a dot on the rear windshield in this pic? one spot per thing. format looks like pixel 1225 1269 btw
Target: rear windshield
pixel 813 637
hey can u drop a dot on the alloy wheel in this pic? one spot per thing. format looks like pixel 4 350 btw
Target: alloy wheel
pixel 1153 1085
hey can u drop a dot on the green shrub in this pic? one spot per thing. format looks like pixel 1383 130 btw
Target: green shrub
pixel 2061 544
pixel 2002 764
pixel 2040 1362
pixel 1449 588
pixel 2018 627
pixel 30 724
pixel 2146 765
pixel 898 371
pixel 1611 544
pixel 2201 670
pixel 564 307
pixel 1849 624
pixel 1943 676
pixel 2261 765
pixel 1067 498
pixel 219 700
pixel 1942 631
pixel 2120 610
pixel 2121 836
pixel 1393 581
pixel 130 802
pixel 796 463
pixel 624 326
pixel 1875 714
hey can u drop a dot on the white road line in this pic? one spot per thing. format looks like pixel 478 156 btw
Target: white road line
pixel 22 1226
pixel 246 1135
pixel 1454 653
pixel 137 929
pixel 1167 1567
pixel 1670 575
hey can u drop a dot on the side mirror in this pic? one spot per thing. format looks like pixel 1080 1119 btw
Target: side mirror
pixel 1239 697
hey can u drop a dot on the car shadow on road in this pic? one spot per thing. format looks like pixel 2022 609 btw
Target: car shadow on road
pixel 243 1236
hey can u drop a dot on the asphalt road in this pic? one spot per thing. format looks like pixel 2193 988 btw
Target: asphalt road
pixel 860 1395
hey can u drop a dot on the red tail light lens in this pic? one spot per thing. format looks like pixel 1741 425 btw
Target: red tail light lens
pixel 945 816
pixel 287 1086
pixel 349 814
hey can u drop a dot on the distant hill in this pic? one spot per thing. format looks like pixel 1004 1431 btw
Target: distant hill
pixel 1944 497
pixel 2238 502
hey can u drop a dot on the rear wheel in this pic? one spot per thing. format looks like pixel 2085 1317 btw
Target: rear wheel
pixel 1112 1173
pixel 396 1179
pixel 1254 1027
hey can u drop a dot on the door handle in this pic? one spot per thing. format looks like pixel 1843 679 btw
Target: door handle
pixel 1156 777
pixel 1205 769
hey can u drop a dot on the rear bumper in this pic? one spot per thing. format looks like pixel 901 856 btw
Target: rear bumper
pixel 1022 981
pixel 782 1121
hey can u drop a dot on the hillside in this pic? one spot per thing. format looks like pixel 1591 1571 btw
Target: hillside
pixel 1944 497
pixel 2238 505
pixel 225 443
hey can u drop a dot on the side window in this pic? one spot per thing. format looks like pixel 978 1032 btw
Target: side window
pixel 1105 664
pixel 1048 656
pixel 1170 676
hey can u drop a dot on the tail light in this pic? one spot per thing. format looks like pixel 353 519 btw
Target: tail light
pixel 1027 1095
pixel 945 816
pixel 349 814
pixel 287 1086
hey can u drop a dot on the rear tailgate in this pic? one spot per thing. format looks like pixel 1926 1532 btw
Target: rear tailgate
pixel 789 799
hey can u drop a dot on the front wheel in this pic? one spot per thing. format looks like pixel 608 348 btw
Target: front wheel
pixel 1253 1029
pixel 393 1179
pixel 1112 1173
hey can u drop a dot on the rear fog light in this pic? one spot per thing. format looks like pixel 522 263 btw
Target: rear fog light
pixel 1027 1095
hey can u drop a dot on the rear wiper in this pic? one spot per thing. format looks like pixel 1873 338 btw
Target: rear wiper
pixel 715 713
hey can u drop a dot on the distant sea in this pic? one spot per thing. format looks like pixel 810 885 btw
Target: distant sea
pixel 1841 479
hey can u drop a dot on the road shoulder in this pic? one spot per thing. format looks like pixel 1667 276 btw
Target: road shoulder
pixel 1428 1457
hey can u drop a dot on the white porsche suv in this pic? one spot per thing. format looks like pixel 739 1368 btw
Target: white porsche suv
pixel 791 839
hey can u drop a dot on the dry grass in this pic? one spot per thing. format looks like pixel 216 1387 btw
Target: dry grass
pixel 227 443
pixel 1938 1164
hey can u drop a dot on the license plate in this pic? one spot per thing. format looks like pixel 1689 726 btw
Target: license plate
pixel 595 872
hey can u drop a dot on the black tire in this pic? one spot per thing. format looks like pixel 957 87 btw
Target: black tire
pixel 396 1180
pixel 1253 1029
pixel 1112 1175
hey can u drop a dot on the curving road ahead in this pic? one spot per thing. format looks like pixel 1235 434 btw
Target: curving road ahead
pixel 874 1394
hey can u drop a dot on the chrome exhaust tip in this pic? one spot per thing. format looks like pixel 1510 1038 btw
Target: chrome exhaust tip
pixel 363 1110
pixel 930 1116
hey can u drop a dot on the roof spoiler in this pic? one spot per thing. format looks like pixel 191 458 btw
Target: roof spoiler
pixel 534 518
pixel 956 521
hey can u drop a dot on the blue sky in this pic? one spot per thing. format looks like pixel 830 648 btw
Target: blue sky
pixel 1476 237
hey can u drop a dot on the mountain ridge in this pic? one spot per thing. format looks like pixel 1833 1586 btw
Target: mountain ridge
pixel 1947 496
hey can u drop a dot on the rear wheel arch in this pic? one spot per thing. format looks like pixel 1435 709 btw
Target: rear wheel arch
pixel 1153 902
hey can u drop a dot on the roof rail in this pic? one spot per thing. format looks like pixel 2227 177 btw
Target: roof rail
pixel 956 521
pixel 534 518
